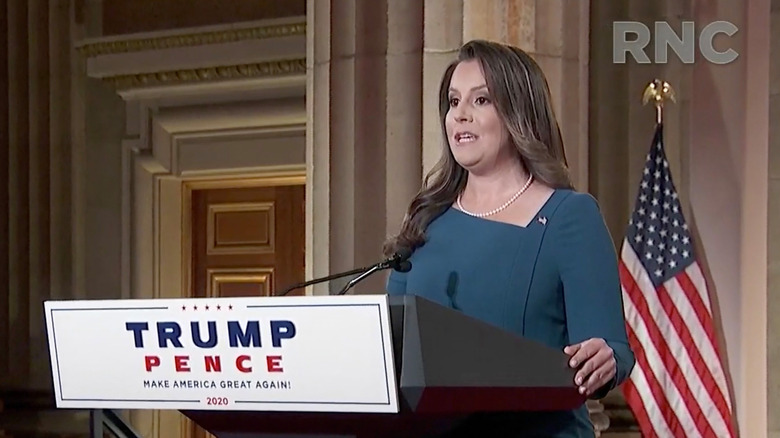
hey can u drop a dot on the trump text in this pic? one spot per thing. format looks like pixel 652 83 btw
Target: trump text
pixel 168 334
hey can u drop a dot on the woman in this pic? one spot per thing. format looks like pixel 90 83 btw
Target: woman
pixel 499 233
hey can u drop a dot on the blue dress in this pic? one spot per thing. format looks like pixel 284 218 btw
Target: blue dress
pixel 555 281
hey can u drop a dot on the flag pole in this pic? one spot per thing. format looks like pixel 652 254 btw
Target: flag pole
pixel 658 91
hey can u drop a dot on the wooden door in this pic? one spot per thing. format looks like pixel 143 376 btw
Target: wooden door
pixel 246 241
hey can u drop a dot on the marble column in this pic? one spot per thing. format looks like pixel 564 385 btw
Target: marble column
pixel 404 108
pixel 443 36
pixel 5 302
pixel 363 142
pixel 773 225
pixel 17 319
pixel 31 181
pixel 754 379
pixel 609 119
pixel 34 174
pixel 729 191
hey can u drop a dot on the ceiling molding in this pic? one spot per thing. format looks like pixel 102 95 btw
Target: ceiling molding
pixel 190 39
pixel 227 54
pixel 209 74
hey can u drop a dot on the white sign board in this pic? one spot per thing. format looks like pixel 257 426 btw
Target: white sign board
pixel 321 353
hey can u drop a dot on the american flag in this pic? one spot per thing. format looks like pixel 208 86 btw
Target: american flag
pixel 678 387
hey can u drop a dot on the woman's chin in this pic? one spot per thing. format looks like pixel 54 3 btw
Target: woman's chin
pixel 469 163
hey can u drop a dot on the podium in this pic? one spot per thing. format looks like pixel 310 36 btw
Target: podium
pixel 448 368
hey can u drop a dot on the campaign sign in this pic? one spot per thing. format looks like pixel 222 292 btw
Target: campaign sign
pixel 311 353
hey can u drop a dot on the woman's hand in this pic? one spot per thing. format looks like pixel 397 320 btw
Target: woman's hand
pixel 595 362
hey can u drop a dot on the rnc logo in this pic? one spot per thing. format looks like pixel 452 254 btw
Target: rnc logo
pixel 666 37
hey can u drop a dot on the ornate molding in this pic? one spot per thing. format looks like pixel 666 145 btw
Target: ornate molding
pixel 205 74
pixel 191 39
pixel 621 419
pixel 599 419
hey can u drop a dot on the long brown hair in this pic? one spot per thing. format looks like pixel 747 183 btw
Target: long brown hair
pixel 519 90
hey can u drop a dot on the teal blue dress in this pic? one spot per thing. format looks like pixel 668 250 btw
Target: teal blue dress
pixel 555 281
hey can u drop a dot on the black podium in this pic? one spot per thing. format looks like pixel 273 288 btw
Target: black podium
pixel 449 367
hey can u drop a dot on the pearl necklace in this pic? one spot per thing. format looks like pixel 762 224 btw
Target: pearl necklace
pixel 506 204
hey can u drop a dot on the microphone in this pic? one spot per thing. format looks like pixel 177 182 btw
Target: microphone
pixel 397 261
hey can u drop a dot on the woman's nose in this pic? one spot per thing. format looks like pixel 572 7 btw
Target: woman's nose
pixel 462 113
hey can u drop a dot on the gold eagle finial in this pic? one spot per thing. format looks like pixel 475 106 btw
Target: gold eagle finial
pixel 658 91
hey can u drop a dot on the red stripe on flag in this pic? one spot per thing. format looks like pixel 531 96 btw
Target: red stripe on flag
pixel 667 413
pixel 705 318
pixel 667 356
pixel 634 400
pixel 698 305
pixel 694 354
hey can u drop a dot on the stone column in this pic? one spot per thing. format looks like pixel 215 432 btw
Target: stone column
pixel 5 327
pixel 18 317
pixel 755 145
pixel 443 28
pixel 404 108
pixel 34 179
pixel 609 120
pixel 39 190
pixel 363 142
pixel 729 167
pixel 773 225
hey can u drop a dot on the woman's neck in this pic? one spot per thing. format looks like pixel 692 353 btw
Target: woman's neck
pixel 484 189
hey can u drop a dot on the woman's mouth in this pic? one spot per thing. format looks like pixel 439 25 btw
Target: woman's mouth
pixel 465 137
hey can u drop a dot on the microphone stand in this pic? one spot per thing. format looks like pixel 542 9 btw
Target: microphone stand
pixel 322 280
pixel 360 277
pixel 400 265
pixel 396 261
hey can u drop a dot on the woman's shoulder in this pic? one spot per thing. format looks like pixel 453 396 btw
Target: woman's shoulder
pixel 574 211
pixel 443 219
pixel 575 203
pixel 576 227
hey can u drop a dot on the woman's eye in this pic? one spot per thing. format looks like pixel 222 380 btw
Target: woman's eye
pixel 454 101
pixel 482 100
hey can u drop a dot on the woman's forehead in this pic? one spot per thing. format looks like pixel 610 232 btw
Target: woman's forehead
pixel 467 76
